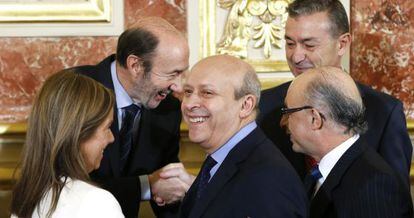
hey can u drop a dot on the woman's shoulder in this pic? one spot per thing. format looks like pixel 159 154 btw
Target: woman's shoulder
pixel 92 200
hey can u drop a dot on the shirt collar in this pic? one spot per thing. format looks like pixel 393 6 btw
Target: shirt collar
pixel 328 161
pixel 121 96
pixel 220 154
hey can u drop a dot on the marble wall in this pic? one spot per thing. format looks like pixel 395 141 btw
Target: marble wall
pixel 26 62
pixel 382 52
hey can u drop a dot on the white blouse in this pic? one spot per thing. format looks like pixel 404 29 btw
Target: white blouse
pixel 80 199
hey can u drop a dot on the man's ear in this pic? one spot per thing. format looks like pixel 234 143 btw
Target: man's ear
pixel 344 41
pixel 248 104
pixel 133 64
pixel 317 120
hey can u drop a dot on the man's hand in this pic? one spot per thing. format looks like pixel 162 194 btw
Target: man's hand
pixel 170 183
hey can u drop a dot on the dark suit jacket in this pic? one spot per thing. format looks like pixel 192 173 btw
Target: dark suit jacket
pixel 387 128
pixel 254 180
pixel 362 184
pixel 158 144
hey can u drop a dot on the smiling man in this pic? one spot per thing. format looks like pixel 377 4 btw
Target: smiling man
pixel 244 175
pixel 317 34
pixel 147 67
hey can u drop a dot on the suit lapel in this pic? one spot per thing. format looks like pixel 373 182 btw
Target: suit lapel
pixel 189 199
pixel 112 151
pixel 227 171
pixel 323 198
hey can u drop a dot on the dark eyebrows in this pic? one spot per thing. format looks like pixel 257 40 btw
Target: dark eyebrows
pixel 288 38
pixel 303 40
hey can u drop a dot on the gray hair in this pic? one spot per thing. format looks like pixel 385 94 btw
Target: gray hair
pixel 251 85
pixel 348 111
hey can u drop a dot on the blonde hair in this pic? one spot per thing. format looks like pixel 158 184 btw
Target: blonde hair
pixel 67 111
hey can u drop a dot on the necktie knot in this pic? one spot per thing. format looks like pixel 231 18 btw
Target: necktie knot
pixel 310 180
pixel 131 109
pixel 315 173
pixel 209 163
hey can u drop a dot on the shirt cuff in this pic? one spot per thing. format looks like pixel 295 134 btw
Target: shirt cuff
pixel 145 188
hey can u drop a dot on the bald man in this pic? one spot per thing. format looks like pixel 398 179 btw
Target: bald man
pixel 324 115
pixel 147 67
pixel 317 34
pixel 244 174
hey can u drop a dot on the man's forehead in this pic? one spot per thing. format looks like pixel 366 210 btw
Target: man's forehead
pixel 314 23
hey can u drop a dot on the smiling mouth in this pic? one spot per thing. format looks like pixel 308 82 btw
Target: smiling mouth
pixel 197 119
pixel 164 93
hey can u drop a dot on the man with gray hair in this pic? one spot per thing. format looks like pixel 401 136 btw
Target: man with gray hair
pixel 324 115
pixel 317 34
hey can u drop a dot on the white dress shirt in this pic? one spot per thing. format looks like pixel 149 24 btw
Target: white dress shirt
pixel 328 161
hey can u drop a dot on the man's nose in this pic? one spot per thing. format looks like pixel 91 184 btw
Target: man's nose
pixel 176 85
pixel 190 102
pixel 284 123
pixel 298 55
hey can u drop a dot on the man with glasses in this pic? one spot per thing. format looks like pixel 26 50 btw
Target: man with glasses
pixel 317 34
pixel 147 67
pixel 324 115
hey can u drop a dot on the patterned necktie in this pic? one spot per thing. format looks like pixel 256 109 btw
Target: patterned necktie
pixel 311 179
pixel 205 175
pixel 126 133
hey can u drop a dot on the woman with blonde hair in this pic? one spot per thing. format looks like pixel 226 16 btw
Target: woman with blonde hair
pixel 68 129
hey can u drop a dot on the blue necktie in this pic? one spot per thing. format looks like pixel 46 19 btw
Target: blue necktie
pixel 126 133
pixel 311 179
pixel 205 175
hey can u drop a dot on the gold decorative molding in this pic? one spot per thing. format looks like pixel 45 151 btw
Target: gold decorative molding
pixel 56 11
pixel 258 21
pixel 8 128
pixel 410 126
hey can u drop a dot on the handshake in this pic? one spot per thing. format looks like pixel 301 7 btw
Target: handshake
pixel 170 183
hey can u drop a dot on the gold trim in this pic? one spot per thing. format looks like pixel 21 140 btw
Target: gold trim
pixel 410 125
pixel 92 10
pixel 207 18
pixel 269 65
pixel 272 82
pixel 412 173
pixel 7 128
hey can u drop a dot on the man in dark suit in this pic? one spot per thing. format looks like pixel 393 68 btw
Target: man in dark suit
pixel 317 34
pixel 244 175
pixel 147 67
pixel 324 114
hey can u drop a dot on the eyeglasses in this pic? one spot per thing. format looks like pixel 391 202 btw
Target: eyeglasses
pixel 286 111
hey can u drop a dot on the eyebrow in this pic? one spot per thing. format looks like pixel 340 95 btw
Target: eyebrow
pixel 302 40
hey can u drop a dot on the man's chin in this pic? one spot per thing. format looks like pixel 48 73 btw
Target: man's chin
pixel 296 148
pixel 297 71
pixel 152 104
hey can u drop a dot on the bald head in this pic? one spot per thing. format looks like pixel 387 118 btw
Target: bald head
pixel 237 72
pixel 335 93
pixel 156 25
pixel 148 37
